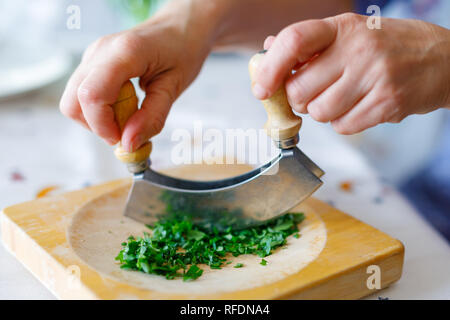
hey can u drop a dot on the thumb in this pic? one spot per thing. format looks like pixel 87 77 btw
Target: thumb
pixel 295 44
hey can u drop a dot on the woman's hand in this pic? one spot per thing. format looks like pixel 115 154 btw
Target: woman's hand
pixel 355 77
pixel 163 52
pixel 166 53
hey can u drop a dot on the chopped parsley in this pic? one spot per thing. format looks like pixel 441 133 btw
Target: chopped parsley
pixel 176 247
pixel 263 262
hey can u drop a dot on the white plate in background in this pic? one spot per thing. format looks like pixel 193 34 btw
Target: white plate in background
pixel 24 69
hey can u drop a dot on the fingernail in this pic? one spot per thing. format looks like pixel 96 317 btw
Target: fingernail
pixel 136 143
pixel 125 147
pixel 259 92
pixel 128 147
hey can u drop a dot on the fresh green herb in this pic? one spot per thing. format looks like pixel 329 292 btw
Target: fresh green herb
pixel 193 273
pixel 263 262
pixel 175 247
pixel 238 265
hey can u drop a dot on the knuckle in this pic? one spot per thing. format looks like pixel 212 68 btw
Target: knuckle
pixel 68 111
pixel 157 124
pixel 99 131
pixel 100 126
pixel 299 107
pixel 169 94
pixel 392 100
pixel 393 114
pixel 93 47
pixel 291 38
pixel 396 119
pixel 87 54
pixel 342 127
pixel 337 126
pixel 261 75
pixel 366 45
pixel 297 90
pixel 87 95
pixel 127 43
pixel 317 112
pixel 295 103
pixel 125 47
pixel 349 19
pixel 388 71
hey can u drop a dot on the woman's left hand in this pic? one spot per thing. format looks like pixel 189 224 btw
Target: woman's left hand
pixel 356 77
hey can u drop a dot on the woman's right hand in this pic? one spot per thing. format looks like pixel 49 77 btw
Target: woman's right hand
pixel 163 52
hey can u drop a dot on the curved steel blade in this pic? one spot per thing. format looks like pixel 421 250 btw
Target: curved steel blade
pixel 246 200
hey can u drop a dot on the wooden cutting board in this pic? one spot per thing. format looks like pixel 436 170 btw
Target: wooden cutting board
pixel 69 242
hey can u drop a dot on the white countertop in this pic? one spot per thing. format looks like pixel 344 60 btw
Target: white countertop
pixel 41 148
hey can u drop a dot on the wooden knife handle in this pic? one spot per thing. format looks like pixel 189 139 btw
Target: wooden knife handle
pixel 125 106
pixel 282 124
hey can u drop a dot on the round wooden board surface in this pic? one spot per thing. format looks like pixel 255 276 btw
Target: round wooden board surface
pixel 98 228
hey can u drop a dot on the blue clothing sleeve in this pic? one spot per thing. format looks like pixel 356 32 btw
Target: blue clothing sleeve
pixel 362 5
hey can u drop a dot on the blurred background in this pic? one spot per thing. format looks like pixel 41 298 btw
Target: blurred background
pixel 42 152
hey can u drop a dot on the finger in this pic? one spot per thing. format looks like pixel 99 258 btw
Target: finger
pixel 366 113
pixel 296 43
pixel 149 120
pixel 69 105
pixel 308 82
pixel 339 97
pixel 268 42
pixel 97 92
